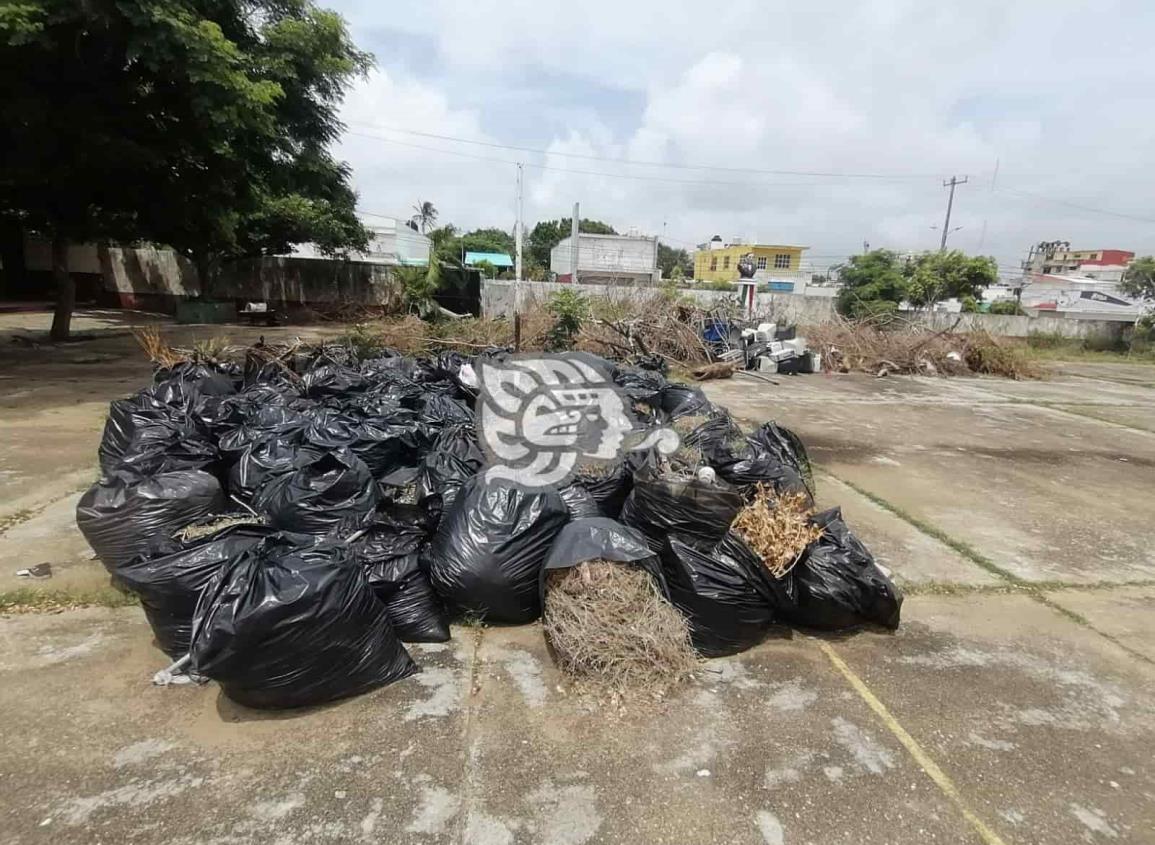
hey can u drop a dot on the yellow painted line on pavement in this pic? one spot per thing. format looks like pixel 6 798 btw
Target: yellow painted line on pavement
pixel 940 778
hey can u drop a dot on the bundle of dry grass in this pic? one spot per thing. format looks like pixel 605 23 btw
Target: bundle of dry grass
pixel 777 527
pixel 203 529
pixel 609 626
pixel 155 347
pixel 864 347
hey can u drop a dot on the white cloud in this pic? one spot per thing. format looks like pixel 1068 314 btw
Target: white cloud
pixel 1056 92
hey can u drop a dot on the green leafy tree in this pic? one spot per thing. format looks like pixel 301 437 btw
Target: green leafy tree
pixel 872 284
pixel 425 215
pixel 488 240
pixel 1139 279
pixel 487 270
pixel 934 276
pixel 201 126
pixel 446 244
pixel 671 259
pixel 549 233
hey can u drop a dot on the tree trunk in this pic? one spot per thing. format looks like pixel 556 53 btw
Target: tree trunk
pixel 204 265
pixel 65 289
pixel 12 257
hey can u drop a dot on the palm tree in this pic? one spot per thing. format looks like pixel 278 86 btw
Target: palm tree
pixel 426 215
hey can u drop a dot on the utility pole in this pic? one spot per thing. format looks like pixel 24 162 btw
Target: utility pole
pixel 517 232
pixel 574 232
pixel 954 180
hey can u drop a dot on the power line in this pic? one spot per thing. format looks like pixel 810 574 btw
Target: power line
pixel 630 176
pixel 643 163
pixel 1075 205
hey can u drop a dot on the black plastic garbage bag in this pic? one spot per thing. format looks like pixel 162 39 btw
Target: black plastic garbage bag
pixel 680 400
pixel 769 447
pixel 333 490
pixel 838 583
pixel 454 458
pixel 579 501
pixel 122 513
pixel 601 538
pixel 658 507
pixel 265 460
pixel 391 450
pixel 727 601
pixel 291 625
pixel 142 433
pixel 609 484
pixel 331 379
pixel 262 422
pixel 169 579
pixel 390 554
pixel 488 551
pixel 640 385
pixel 440 411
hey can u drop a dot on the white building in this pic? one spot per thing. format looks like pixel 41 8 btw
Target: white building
pixel 1078 298
pixel 607 259
pixel 392 243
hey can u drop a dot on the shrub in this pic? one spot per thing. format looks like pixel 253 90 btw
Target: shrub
pixel 1006 307
pixel 569 310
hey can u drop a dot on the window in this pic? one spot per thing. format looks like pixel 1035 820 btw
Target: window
pixel 761 262
pixel 713 262
pixel 726 262
pixel 782 261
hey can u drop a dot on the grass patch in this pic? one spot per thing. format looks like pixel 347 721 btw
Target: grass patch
pixel 32 600
pixel 965 549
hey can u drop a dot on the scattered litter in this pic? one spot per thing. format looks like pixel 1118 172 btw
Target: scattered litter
pixel 40 571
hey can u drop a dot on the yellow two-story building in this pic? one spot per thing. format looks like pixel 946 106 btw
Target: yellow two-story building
pixel 719 263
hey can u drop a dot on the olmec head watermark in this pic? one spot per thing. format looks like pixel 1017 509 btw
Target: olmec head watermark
pixel 543 415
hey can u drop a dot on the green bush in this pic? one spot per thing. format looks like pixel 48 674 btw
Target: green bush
pixel 1006 307
pixel 969 304
pixel 725 287
pixel 569 310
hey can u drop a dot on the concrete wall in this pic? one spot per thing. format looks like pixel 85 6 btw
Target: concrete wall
pixel 287 282
pixel 152 278
pixel 497 300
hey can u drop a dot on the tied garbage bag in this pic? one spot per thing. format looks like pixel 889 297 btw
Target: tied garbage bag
pixel 490 546
pixel 334 490
pixel 454 458
pixel 141 432
pixel 660 506
pixel 775 445
pixel 261 422
pixel 123 512
pixel 640 385
pixel 390 554
pixel 265 460
pixel 170 576
pixel 579 501
pixel 680 400
pixel 287 624
pixel 609 484
pixel 724 591
pixel 838 583
pixel 331 379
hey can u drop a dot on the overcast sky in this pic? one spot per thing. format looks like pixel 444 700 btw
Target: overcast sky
pixel 738 101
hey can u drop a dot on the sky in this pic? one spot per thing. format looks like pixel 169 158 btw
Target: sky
pixel 824 124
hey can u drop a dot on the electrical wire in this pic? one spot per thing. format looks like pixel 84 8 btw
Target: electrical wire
pixel 643 163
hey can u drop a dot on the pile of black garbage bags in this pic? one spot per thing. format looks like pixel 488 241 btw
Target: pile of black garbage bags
pixel 369 524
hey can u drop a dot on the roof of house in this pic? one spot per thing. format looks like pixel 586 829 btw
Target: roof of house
pixel 497 259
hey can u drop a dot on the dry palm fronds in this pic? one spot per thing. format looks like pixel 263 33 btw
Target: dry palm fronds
pixel 777 527
pixel 721 369
pixel 156 349
pixel 609 625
